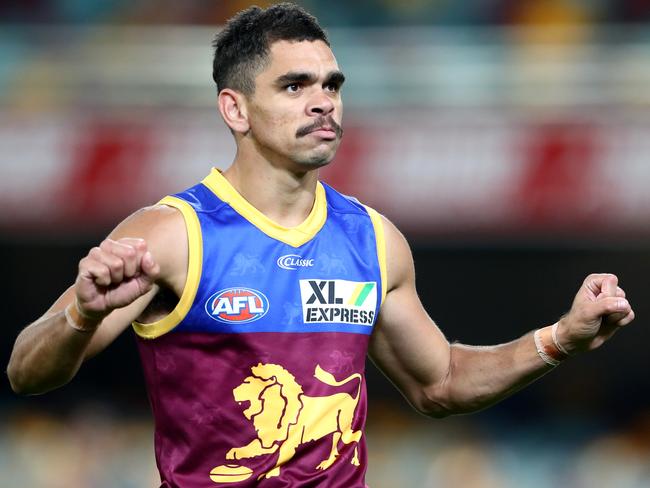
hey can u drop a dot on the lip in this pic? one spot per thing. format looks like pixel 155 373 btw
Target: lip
pixel 324 133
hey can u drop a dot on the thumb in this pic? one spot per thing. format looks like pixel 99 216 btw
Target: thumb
pixel 150 268
pixel 612 305
pixel 610 286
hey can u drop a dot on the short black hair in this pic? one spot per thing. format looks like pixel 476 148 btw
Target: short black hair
pixel 242 48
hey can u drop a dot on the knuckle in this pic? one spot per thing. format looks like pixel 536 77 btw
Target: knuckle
pixel 101 274
pixel 95 252
pixel 134 243
pixel 130 252
pixel 115 263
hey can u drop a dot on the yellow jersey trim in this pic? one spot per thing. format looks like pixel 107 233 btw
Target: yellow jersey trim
pixel 378 224
pixel 293 236
pixel 195 258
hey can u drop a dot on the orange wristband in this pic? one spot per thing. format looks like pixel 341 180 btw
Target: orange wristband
pixel 547 346
pixel 78 321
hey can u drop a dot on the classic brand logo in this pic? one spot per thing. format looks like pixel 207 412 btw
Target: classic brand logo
pixel 338 301
pixel 237 305
pixel 293 261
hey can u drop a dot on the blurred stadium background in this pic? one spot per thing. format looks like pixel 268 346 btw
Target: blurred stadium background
pixel 509 139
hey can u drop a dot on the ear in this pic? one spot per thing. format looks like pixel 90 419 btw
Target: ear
pixel 234 110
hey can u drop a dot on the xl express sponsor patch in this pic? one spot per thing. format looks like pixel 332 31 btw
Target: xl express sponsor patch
pixel 338 301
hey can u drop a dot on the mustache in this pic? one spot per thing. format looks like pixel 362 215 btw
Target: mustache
pixel 321 122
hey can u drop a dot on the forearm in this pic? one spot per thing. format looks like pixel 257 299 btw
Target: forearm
pixel 480 376
pixel 48 353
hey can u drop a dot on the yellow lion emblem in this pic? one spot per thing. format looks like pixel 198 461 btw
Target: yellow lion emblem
pixel 284 417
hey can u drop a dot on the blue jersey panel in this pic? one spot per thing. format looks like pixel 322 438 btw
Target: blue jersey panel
pixel 252 282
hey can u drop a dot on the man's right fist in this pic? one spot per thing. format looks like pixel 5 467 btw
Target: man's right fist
pixel 114 275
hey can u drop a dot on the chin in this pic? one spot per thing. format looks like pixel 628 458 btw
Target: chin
pixel 316 159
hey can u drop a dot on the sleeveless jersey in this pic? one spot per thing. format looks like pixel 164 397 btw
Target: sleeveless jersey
pixel 256 378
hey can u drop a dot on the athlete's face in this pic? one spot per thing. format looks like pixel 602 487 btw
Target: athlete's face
pixel 295 112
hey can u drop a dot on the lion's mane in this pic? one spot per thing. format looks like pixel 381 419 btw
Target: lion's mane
pixel 280 388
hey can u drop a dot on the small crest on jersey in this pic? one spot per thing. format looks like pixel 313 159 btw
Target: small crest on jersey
pixel 237 305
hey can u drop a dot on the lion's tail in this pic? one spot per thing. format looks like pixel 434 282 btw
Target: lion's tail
pixel 329 379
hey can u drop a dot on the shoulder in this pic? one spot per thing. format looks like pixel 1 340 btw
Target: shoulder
pixel 151 223
pixel 399 259
pixel 342 203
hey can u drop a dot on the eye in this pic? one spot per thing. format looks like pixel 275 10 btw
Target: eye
pixel 331 87
pixel 292 88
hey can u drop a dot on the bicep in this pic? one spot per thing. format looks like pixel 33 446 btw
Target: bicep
pixel 406 344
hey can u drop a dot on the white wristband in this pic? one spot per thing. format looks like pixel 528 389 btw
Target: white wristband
pixel 555 341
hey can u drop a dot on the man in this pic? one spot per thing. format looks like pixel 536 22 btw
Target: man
pixel 257 293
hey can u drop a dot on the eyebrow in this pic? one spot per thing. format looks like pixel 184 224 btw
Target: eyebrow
pixel 336 77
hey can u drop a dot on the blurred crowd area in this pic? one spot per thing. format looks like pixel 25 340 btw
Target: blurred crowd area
pixel 460 132
pixel 339 12
pixel 95 447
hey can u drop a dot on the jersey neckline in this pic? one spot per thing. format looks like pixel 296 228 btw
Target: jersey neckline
pixel 293 236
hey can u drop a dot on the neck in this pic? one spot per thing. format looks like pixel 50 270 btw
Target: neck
pixel 283 196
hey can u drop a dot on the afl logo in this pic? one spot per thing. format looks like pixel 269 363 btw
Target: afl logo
pixel 237 305
pixel 293 261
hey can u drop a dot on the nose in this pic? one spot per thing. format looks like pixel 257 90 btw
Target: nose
pixel 321 104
